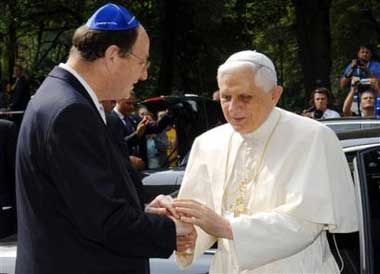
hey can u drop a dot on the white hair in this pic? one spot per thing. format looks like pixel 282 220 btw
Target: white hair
pixel 262 68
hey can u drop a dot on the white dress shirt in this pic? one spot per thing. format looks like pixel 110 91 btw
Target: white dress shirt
pixel 87 87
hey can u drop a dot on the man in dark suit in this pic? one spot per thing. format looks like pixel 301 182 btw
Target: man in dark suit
pixel 137 127
pixel 78 210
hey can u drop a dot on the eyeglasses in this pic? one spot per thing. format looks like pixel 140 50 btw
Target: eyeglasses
pixel 145 63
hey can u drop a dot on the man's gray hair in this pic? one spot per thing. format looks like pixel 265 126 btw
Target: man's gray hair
pixel 262 67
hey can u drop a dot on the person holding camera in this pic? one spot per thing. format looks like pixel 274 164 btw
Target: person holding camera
pixel 361 68
pixel 319 101
pixel 366 104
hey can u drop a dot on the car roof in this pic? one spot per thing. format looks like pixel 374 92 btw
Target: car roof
pixel 350 119
pixel 167 101
pixel 351 124
pixel 359 139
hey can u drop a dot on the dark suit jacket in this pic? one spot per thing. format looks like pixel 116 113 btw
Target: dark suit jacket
pixel 78 210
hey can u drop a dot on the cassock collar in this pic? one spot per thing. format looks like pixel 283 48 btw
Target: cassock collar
pixel 261 134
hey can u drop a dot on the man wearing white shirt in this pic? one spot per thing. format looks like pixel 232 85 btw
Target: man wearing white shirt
pixel 320 100
pixel 267 185
pixel 78 209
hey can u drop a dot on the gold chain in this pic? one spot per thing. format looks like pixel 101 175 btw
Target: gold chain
pixel 239 206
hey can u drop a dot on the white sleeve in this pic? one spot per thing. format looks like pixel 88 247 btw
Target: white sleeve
pixel 265 237
pixel 196 186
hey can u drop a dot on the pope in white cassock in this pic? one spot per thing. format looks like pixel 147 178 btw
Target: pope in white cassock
pixel 267 185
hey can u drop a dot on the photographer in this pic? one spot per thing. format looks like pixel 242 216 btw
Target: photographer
pixel 319 101
pixel 361 68
pixel 366 104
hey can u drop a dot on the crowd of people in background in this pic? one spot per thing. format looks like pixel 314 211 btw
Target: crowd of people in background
pixel 150 138
pixel 361 78
pixel 360 81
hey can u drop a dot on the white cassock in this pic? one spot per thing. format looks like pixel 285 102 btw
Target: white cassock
pixel 281 187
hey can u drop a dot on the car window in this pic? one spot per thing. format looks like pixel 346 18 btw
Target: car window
pixel 162 149
pixel 342 127
pixel 192 116
pixel 372 166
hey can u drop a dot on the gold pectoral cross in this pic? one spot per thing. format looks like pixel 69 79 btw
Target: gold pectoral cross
pixel 239 207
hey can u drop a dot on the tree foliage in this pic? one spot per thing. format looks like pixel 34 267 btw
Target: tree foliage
pixel 309 41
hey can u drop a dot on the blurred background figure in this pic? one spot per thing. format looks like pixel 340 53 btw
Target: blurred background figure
pixel 321 105
pixel 5 95
pixel 216 95
pixel 142 111
pixel 361 68
pixel 108 105
pixel 19 90
pixel 139 126
pixel 171 134
pixel 366 103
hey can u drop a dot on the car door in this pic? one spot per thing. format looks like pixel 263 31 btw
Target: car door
pixel 367 181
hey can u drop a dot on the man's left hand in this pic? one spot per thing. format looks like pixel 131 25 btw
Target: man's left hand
pixel 195 213
pixel 162 205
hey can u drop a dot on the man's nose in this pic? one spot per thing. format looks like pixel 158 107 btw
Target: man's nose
pixel 144 74
pixel 234 105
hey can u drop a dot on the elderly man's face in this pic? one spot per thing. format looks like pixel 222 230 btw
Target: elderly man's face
pixel 245 105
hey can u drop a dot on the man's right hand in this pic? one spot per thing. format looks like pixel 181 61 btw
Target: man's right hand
pixel 140 129
pixel 354 63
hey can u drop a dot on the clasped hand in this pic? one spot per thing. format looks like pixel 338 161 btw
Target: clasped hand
pixel 193 212
pixel 186 234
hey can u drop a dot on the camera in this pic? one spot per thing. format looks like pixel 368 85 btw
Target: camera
pixel 318 114
pixel 365 81
pixel 361 84
pixel 360 63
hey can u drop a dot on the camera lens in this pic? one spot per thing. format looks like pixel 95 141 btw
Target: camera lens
pixel 318 114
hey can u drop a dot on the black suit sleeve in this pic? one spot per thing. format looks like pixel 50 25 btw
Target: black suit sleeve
pixel 99 198
pixel 132 139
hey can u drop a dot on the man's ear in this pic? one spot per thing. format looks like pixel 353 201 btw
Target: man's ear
pixel 276 94
pixel 110 55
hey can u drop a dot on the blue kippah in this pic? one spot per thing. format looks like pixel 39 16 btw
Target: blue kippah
pixel 112 17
